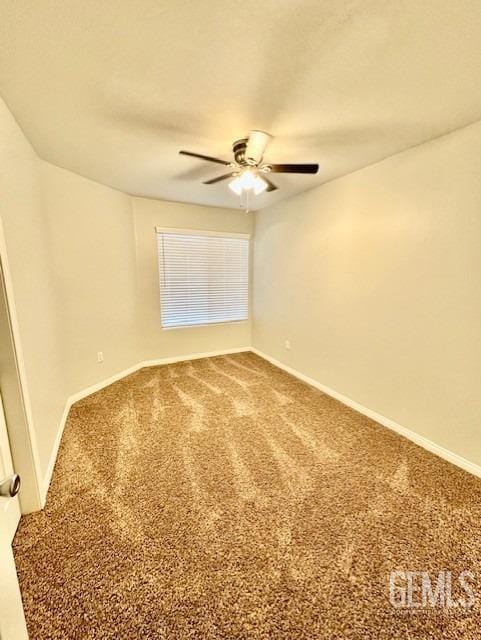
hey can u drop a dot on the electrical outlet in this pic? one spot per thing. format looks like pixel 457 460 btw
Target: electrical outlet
pixel 100 356
pixel 288 345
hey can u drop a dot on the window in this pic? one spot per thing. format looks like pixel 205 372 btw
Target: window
pixel 204 277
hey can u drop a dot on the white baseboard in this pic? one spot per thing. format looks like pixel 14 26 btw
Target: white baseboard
pixel 423 442
pixel 53 456
pixel 80 395
pixel 195 356
pixel 70 401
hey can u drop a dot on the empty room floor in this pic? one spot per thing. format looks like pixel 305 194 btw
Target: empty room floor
pixel 223 498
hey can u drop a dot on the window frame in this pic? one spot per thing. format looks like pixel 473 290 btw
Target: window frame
pixel 209 233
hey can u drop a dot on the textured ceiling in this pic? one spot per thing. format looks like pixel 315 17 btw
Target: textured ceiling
pixel 112 90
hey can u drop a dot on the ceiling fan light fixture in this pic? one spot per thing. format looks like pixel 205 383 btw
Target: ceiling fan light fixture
pixel 236 186
pixel 260 185
pixel 248 181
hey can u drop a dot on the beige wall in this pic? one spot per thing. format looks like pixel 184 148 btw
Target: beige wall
pixel 159 343
pixel 375 279
pixel 90 232
pixel 36 294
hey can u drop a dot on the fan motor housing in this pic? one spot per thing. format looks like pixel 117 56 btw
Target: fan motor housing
pixel 239 149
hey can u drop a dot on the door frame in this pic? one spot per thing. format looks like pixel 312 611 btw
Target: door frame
pixel 12 615
pixel 23 442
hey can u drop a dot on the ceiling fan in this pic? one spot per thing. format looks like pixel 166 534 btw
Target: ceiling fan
pixel 249 172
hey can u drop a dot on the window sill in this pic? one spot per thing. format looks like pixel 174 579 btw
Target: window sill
pixel 203 326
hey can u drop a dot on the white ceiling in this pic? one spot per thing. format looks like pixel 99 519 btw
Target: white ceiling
pixel 113 89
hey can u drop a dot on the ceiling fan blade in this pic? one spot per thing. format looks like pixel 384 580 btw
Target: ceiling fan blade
pixel 270 185
pixel 203 157
pixel 294 168
pixel 218 179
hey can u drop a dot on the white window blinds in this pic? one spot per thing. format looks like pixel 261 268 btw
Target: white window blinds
pixel 204 278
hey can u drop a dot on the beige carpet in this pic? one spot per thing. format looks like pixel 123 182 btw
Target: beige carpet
pixel 222 498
